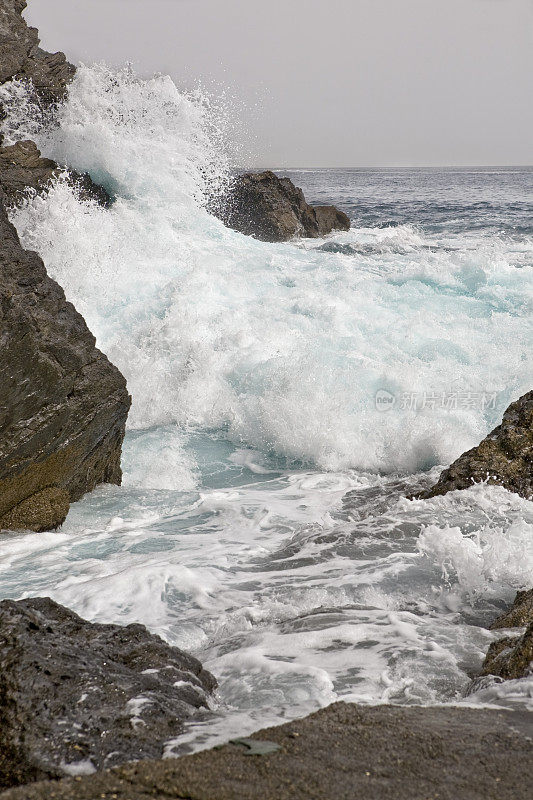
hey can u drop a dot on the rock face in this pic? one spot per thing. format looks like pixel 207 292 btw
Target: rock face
pixel 520 613
pixel 21 56
pixel 342 752
pixel 22 167
pixel 511 657
pixel 87 695
pixel 63 406
pixel 274 210
pixel 504 457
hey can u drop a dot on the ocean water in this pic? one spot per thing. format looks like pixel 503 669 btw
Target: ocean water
pixel 287 398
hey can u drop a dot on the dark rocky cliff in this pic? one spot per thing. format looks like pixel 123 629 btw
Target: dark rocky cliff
pixel 63 405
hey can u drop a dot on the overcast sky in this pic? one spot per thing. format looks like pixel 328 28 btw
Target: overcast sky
pixel 331 82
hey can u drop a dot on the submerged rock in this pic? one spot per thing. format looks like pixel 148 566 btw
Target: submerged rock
pixel 76 697
pixel 273 209
pixel 504 457
pixel 63 405
pixel 340 753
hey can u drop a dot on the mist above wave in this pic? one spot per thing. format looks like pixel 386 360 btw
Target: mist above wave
pixel 283 347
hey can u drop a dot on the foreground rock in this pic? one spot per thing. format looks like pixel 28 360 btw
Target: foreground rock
pixel 343 752
pixel 274 210
pixel 63 405
pixel 78 696
pixel 504 457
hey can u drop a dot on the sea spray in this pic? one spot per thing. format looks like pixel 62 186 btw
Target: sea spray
pixel 270 380
pixel 217 331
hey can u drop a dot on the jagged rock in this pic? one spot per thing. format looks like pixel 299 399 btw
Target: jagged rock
pixel 510 657
pixel 76 693
pixel 504 457
pixel 22 167
pixel 63 405
pixel 520 613
pixel 273 209
pixel 21 56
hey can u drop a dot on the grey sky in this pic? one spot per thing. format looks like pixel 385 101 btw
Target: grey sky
pixel 332 82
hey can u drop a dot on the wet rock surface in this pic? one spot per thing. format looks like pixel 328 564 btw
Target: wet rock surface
pixel 22 168
pixel 76 696
pixel 273 209
pixel 520 613
pixel 511 657
pixel 340 753
pixel 504 457
pixel 63 406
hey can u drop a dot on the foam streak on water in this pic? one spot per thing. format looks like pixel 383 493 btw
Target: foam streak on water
pixel 254 370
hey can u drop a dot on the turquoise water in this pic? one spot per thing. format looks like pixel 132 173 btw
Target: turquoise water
pixel 269 381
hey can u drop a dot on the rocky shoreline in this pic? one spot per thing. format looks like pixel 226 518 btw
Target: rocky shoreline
pixel 78 696
pixel 63 405
pixel 341 752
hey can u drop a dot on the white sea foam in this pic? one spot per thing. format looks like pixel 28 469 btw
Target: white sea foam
pixel 283 346
pixel 245 360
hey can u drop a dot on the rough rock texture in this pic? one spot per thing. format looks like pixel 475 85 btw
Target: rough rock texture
pixel 22 167
pixel 504 457
pixel 63 405
pixel 510 657
pixel 344 752
pixel 72 691
pixel 519 615
pixel 329 218
pixel 274 210
pixel 21 56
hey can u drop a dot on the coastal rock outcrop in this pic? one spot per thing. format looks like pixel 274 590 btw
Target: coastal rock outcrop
pixel 504 457
pixel 520 613
pixel 512 656
pixel 22 167
pixel 341 752
pixel 21 57
pixel 63 405
pixel 76 697
pixel 273 209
